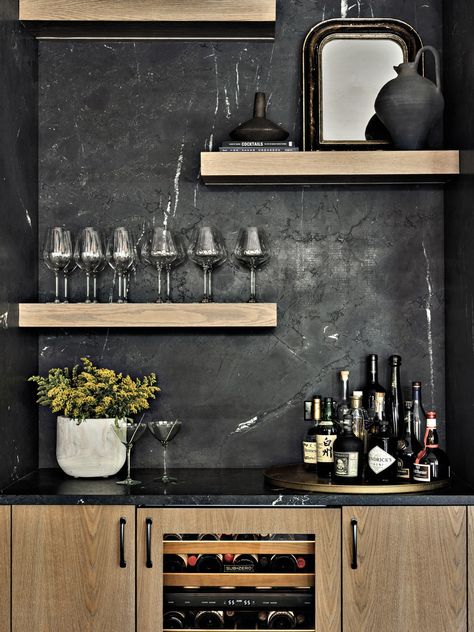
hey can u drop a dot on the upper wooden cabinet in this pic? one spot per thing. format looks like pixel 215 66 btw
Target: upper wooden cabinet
pixel 162 19
pixel 411 569
pixel 5 563
pixel 73 569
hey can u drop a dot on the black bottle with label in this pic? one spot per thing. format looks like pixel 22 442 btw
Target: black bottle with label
pixel 394 405
pixel 372 386
pixel 348 454
pixel 326 434
pixel 432 463
pixel 309 442
pixel 408 447
pixel 382 458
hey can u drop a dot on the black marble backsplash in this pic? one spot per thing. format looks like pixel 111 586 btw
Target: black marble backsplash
pixel 354 269
pixel 18 243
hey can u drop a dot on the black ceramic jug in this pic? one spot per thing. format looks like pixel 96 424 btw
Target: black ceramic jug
pixel 410 105
pixel 259 128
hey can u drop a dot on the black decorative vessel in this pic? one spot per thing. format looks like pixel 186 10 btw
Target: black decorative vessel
pixel 259 128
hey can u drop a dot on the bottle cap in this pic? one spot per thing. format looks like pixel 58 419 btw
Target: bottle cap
pixel 344 375
pixel 416 384
pixel 380 396
pixel 300 562
pixel 192 559
pixel 356 402
pixel 359 394
pixel 431 419
pixel 228 557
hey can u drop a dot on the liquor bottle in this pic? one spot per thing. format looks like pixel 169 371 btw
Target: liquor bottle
pixel 175 563
pixel 348 454
pixel 432 463
pixel 394 404
pixel 326 434
pixel 359 418
pixel 309 442
pixel 419 415
pixel 408 446
pixel 372 385
pixel 343 407
pixel 382 458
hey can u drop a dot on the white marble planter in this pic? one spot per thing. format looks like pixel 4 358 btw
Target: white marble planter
pixel 89 449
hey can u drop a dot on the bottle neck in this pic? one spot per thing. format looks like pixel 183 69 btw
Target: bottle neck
pixel 345 389
pixel 373 371
pixel 431 439
pixel 395 378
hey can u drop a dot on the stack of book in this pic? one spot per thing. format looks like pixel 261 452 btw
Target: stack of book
pixel 252 146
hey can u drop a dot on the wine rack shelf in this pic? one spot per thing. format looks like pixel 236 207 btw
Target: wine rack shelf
pixel 263 547
pixel 282 580
pixel 329 167
pixel 147 315
pixel 150 19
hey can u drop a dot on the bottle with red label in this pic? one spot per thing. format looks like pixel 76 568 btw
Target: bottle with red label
pixel 432 463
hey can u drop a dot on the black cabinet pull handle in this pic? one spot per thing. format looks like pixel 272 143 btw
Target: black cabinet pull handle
pixel 123 563
pixel 149 523
pixel 354 544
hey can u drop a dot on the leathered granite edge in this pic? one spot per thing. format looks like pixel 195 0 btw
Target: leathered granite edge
pixel 204 488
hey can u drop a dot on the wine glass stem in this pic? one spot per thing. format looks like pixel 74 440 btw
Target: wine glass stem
pixel 65 289
pixel 126 283
pixel 253 285
pixel 165 473
pixel 159 300
pixel 88 288
pixel 129 449
pixel 205 297
pixel 56 275
pixel 209 285
pixel 168 284
pixel 120 299
pixel 94 291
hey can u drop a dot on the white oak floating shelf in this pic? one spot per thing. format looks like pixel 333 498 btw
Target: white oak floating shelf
pixel 329 167
pixel 147 315
pixel 150 19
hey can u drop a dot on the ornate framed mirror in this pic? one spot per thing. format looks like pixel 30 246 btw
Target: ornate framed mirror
pixel 345 64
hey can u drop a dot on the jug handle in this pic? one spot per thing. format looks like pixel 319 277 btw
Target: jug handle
pixel 436 56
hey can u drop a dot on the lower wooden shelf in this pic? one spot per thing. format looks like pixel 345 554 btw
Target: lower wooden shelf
pixel 296 477
pixel 329 167
pixel 271 580
pixel 147 315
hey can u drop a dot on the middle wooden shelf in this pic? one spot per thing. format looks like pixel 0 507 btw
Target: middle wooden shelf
pixel 147 315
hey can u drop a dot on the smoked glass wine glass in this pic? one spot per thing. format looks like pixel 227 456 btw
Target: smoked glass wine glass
pixel 129 434
pixel 160 250
pixel 207 249
pixel 251 250
pixel 58 255
pixel 89 256
pixel 120 255
pixel 165 431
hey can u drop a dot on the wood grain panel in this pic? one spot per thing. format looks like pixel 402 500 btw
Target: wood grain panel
pixel 219 167
pixel 300 580
pixel 145 315
pixel 66 573
pixel 150 10
pixel 5 568
pixel 411 571
pixel 324 524
pixel 470 568
pixel 292 547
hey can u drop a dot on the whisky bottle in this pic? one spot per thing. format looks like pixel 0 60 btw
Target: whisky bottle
pixel 326 434
pixel 394 405
pixel 408 446
pixel 348 454
pixel 309 442
pixel 372 387
pixel 432 463
pixel 382 458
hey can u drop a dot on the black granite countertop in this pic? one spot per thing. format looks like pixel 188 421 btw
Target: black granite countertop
pixel 203 487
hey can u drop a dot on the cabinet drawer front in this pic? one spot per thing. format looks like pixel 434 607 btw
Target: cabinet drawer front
pixel 411 569
pixel 66 569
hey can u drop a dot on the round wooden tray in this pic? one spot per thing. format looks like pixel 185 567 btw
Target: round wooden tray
pixel 296 477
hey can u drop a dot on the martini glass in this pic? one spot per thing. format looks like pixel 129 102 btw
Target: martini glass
pixel 165 431
pixel 129 434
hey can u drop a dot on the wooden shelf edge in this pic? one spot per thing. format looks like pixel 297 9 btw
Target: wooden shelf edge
pixel 299 580
pixel 294 547
pixel 147 315
pixel 329 167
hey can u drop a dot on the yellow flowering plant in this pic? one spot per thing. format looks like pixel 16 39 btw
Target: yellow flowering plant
pixel 88 392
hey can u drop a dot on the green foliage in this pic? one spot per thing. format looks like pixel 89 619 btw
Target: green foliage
pixel 88 392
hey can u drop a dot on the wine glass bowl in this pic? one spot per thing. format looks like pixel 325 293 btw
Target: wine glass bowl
pixel 128 434
pixel 251 250
pixel 164 432
pixel 89 256
pixel 207 249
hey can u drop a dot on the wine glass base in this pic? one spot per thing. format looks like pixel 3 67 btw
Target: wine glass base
pixel 252 300
pixel 166 479
pixel 128 481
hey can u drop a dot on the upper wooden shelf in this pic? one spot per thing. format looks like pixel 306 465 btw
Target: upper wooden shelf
pixel 147 315
pixel 150 19
pixel 329 167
